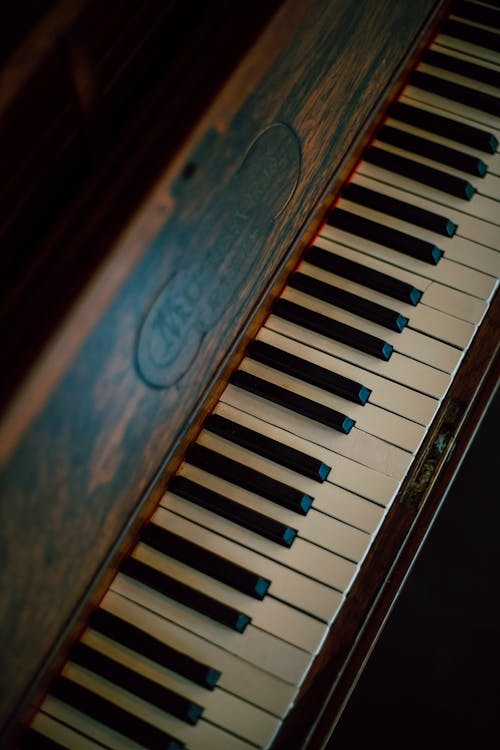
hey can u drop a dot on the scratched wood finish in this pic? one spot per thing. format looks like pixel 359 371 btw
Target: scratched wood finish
pixel 112 417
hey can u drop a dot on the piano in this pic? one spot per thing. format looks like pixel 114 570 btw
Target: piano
pixel 249 328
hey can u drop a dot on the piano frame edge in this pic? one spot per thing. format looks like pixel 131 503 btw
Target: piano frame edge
pixel 361 620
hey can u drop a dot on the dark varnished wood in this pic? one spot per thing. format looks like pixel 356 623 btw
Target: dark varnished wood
pixel 95 429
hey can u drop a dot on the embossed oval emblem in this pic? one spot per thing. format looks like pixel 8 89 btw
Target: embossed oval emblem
pixel 195 298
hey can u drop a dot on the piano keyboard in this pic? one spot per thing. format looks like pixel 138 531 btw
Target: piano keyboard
pixel 211 625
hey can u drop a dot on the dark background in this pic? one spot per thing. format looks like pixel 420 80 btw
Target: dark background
pixel 433 677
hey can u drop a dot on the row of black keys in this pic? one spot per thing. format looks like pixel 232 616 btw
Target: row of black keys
pixel 199 558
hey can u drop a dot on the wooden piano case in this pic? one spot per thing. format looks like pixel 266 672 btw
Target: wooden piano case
pixel 163 223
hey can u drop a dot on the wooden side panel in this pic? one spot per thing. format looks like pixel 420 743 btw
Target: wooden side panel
pixel 120 405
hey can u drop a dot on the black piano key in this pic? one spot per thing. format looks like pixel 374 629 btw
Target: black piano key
pixel 137 684
pixel 420 217
pixel 432 150
pixel 138 640
pixel 207 562
pixel 457 92
pixel 113 716
pixel 265 446
pixel 435 178
pixel 462 67
pixel 468 135
pixel 333 329
pixel 308 372
pixel 233 511
pixel 33 740
pixel 472 34
pixel 186 595
pixel 354 303
pixel 393 238
pixel 305 406
pixel 479 13
pixel 376 280
pixel 248 478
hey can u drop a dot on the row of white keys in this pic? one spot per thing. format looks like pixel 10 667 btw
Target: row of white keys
pixel 357 492
pixel 319 525
pixel 303 556
pixel 462 80
pixel 238 676
pixel 310 542
pixel 287 585
pixel 204 735
pixel 385 393
pixel 484 202
pixel 403 370
pixel 358 446
pixel 428 320
pixel 480 118
pixel 369 418
pixel 457 77
pixel 492 161
pixel 437 197
pixel 269 614
pixel 408 342
pixel 479 231
pixel 266 651
pixel 436 295
pixel 448 271
pixel 59 722
pixel 220 707
pixel 454 111
pixel 462 247
pixel 468 48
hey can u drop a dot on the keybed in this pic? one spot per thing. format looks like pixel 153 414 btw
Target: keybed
pixel 278 492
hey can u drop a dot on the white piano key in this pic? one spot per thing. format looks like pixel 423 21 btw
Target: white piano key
pixel 428 320
pixel 345 540
pixel 482 119
pixel 478 207
pixel 65 736
pixel 444 298
pixel 345 473
pixel 449 271
pixel 487 187
pixel 221 708
pixel 484 234
pixel 460 116
pixel 269 614
pixel 286 584
pixel 459 78
pixel 237 676
pixel 84 727
pixel 463 56
pixel 385 393
pixel 474 50
pixel 369 418
pixel 262 649
pixel 401 369
pixel 203 735
pixel 316 528
pixel 446 272
pixel 409 342
pixel 304 557
pixel 492 161
pixel 358 446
